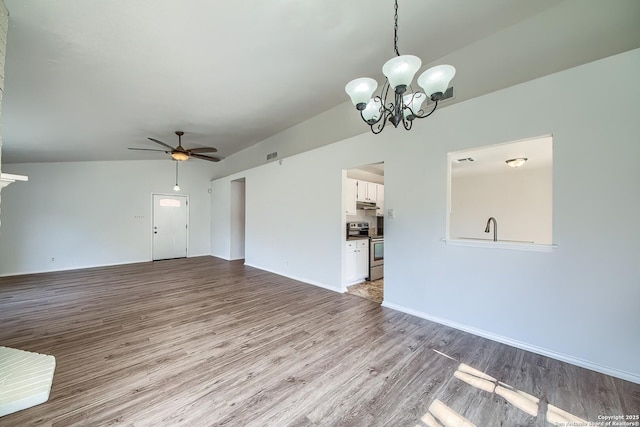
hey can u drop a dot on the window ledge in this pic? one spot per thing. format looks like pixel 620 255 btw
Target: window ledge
pixel 501 244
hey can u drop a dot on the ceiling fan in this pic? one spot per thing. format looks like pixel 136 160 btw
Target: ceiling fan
pixel 179 153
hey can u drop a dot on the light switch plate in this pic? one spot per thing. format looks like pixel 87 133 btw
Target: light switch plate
pixel 391 213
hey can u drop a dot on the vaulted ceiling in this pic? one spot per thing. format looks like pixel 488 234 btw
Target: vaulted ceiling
pixel 85 80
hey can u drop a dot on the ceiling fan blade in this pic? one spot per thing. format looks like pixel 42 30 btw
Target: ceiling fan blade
pixel 200 156
pixel 149 149
pixel 202 150
pixel 161 143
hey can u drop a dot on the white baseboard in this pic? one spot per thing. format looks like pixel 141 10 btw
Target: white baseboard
pixel 628 376
pixel 71 268
pixel 198 255
pixel 299 279
pixel 224 257
pixel 82 267
pixel 355 282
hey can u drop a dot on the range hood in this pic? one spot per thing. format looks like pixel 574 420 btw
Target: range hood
pixel 367 206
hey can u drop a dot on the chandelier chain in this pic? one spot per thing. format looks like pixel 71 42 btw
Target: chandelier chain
pixel 395 30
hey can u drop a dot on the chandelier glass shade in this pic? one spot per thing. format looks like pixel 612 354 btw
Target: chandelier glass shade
pixel 403 104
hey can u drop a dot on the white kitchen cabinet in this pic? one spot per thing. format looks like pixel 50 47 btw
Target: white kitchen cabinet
pixel 361 191
pixel 351 262
pixel 356 260
pixel 349 193
pixel 380 200
pixel 362 262
pixel 366 191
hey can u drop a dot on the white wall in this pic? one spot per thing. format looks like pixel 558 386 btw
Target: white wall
pixel 295 223
pixel 4 26
pixel 519 199
pixel 93 213
pixel 577 303
pixel 337 123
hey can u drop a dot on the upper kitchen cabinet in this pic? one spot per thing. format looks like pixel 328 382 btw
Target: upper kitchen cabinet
pixel 363 191
pixel 349 193
pixel 366 191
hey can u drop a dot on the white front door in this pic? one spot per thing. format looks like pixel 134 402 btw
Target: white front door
pixel 170 226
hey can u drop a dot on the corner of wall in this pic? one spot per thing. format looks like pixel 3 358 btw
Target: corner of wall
pixel 4 27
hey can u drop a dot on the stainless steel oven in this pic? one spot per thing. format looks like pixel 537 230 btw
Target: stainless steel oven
pixel 376 258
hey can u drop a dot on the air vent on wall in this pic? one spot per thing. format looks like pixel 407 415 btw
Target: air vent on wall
pixel 447 96
pixel 272 156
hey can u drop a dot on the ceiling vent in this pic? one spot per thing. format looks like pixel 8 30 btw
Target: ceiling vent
pixel 465 160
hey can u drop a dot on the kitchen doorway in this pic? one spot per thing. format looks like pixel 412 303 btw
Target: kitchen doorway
pixel 364 195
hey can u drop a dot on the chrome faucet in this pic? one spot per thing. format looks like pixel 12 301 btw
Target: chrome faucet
pixel 495 228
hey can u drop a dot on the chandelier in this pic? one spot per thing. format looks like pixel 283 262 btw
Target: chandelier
pixel 404 104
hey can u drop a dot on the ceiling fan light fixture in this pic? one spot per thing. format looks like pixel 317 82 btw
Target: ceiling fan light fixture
pixel 179 155
pixel 517 162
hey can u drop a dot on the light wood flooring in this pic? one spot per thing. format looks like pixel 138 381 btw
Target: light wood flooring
pixel 206 342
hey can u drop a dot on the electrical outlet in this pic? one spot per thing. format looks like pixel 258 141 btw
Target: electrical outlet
pixel 52 259
pixel 391 213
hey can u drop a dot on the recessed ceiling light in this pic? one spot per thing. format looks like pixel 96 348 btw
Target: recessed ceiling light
pixel 516 163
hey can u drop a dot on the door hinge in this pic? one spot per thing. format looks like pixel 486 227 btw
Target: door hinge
pixel 186 226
